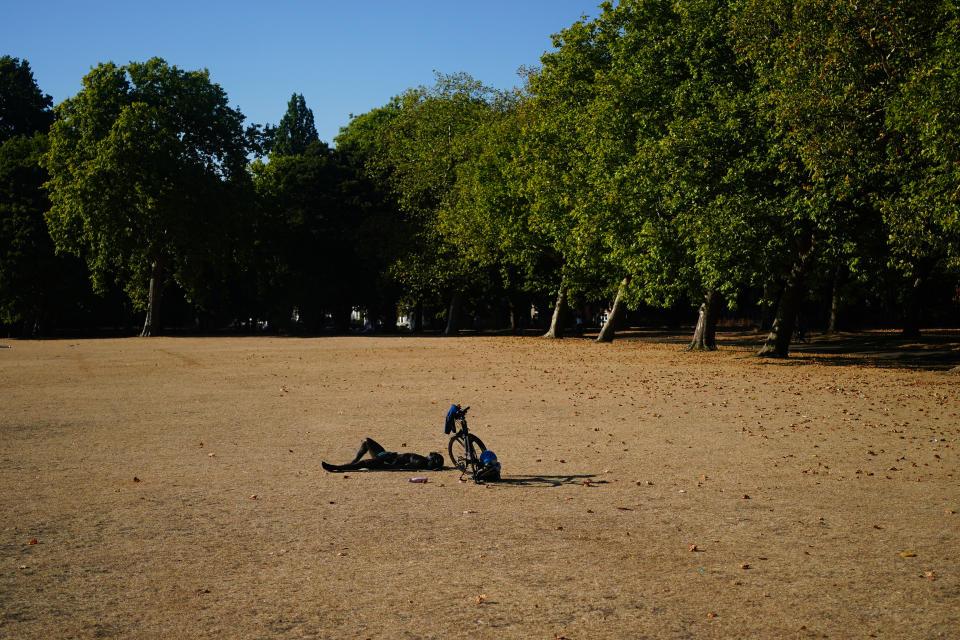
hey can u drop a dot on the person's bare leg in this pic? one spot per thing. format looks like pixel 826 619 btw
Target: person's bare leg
pixel 369 445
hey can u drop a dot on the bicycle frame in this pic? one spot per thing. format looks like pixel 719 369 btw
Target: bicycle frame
pixel 469 462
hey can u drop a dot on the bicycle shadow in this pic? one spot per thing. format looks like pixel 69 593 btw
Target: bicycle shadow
pixel 548 481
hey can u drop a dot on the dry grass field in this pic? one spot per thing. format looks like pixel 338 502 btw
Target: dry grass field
pixel 171 488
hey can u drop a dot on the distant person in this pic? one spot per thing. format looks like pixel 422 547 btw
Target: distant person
pixel 383 460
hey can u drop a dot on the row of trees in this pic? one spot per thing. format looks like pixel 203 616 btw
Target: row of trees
pixel 665 153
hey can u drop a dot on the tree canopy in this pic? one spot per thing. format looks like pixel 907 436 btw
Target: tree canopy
pixel 748 155
pixel 140 163
pixel 24 109
pixel 296 130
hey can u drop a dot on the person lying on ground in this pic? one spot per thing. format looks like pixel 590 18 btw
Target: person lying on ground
pixel 381 459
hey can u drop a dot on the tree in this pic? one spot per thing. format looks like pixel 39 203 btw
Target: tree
pixel 321 238
pixel 828 72
pixel 639 164
pixel 489 220
pixel 296 130
pixel 677 135
pixel 34 283
pixel 24 109
pixel 924 161
pixel 566 211
pixel 426 136
pixel 141 162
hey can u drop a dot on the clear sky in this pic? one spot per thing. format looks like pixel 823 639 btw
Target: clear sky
pixel 344 57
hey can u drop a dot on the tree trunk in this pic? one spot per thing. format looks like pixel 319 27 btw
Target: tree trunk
pixel 609 330
pixel 834 301
pixel 453 313
pixel 705 335
pixel 519 313
pixel 912 310
pixel 777 344
pixel 417 320
pixel 765 308
pixel 559 315
pixel 151 324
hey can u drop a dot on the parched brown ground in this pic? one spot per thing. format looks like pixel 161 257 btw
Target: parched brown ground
pixel 171 488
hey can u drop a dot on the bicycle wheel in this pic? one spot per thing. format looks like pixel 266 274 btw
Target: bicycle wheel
pixel 458 452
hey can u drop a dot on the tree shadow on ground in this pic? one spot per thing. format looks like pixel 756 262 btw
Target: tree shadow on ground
pixel 933 350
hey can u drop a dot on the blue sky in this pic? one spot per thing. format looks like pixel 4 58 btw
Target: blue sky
pixel 344 57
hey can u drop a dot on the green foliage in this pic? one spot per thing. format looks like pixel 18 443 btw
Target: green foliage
pixel 25 247
pixel 36 287
pixel 642 155
pixel 925 159
pixel 566 212
pixel 296 130
pixel 692 147
pixel 833 78
pixel 24 109
pixel 319 236
pixel 419 145
pixel 144 167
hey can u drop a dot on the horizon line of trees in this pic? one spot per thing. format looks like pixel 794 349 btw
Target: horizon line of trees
pixel 753 157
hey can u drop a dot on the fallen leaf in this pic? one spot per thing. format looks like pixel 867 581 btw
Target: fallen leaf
pixel 711 615
pixel 480 598
pixel 744 566
pixel 469 511
pixel 930 574
pixel 693 547
pixel 253 496
pixel 625 508
pixel 908 554
pixel 34 541
pixel 744 497
pixel 136 479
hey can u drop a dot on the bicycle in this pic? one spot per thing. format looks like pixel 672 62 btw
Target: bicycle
pixel 464 448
